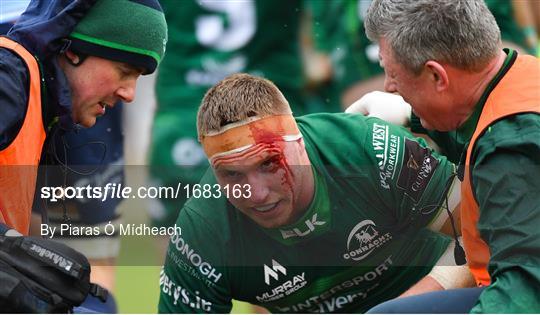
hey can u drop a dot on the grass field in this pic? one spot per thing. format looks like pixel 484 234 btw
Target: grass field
pixel 138 291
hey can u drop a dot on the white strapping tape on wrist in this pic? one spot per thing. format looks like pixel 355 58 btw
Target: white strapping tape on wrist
pixel 448 274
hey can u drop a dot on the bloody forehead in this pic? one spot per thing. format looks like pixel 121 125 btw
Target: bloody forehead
pixel 253 155
pixel 262 135
pixel 240 136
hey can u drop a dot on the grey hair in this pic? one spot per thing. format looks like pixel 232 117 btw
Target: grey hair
pixel 462 33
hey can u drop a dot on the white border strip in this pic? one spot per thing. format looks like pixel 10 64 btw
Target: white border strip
pixel 237 150
pixel 286 138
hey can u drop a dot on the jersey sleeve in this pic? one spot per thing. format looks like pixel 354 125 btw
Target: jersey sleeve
pixel 413 182
pixel 193 278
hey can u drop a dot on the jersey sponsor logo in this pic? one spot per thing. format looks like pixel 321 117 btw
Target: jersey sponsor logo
pixel 178 294
pixel 195 259
pixel 363 239
pixel 411 163
pixel 311 225
pixel 287 288
pixel 418 170
pixel 273 271
pixel 386 149
pixel 329 301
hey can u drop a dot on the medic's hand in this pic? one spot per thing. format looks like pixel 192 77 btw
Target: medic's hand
pixel 386 106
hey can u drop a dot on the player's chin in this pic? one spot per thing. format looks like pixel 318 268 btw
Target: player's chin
pixel 274 224
pixel 274 218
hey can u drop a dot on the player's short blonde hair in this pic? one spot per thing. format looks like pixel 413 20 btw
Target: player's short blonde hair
pixel 236 98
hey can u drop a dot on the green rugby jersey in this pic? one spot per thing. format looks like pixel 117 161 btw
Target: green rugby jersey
pixel 339 31
pixel 209 40
pixel 362 241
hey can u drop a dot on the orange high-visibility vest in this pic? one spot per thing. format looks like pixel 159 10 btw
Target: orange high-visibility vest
pixel 19 161
pixel 517 92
